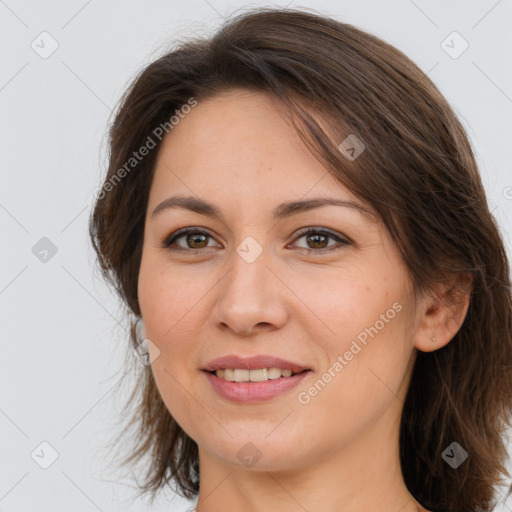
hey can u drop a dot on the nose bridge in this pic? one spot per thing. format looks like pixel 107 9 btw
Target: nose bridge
pixel 249 294
pixel 248 280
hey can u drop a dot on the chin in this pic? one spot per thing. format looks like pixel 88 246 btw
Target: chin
pixel 258 453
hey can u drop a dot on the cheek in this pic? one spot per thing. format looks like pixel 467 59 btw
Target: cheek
pixel 172 306
pixel 343 303
pixel 167 312
pixel 348 397
pixel 169 296
pixel 361 326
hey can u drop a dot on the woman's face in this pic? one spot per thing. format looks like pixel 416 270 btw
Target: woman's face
pixel 247 282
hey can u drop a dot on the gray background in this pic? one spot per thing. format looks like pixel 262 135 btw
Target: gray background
pixel 64 339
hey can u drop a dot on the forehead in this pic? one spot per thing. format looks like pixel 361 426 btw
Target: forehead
pixel 240 139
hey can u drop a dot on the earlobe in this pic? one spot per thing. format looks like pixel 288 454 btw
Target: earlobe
pixel 442 315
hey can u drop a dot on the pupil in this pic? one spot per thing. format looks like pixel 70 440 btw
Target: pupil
pixel 194 238
pixel 315 238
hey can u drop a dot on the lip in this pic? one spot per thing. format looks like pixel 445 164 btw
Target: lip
pixel 253 363
pixel 253 392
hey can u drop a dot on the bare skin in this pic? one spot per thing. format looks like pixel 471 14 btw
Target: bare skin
pixel 339 451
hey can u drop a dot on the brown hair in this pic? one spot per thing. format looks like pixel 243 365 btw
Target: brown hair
pixel 418 172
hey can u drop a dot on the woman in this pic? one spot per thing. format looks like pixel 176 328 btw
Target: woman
pixel 294 217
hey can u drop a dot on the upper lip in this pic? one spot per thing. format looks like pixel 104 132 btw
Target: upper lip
pixel 253 363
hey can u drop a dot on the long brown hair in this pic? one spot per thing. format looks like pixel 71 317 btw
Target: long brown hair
pixel 418 172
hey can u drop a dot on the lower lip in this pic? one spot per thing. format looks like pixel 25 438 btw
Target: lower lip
pixel 251 392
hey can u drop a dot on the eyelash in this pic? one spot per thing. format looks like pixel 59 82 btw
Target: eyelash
pixel 167 243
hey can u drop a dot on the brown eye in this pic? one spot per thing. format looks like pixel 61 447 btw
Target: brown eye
pixel 317 241
pixel 194 239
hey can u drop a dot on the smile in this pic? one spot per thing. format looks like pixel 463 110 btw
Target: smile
pixel 252 391
pixel 257 375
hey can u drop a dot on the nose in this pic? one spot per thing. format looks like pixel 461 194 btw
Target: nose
pixel 250 298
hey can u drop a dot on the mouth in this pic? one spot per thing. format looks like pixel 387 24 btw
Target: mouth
pixel 243 388
pixel 253 378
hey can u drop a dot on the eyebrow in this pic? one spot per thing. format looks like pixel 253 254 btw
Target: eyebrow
pixel 282 211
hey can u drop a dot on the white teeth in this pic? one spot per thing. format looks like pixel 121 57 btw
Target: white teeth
pixel 274 373
pixel 241 375
pixel 259 375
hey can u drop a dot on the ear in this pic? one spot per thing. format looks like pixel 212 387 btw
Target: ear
pixel 441 314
